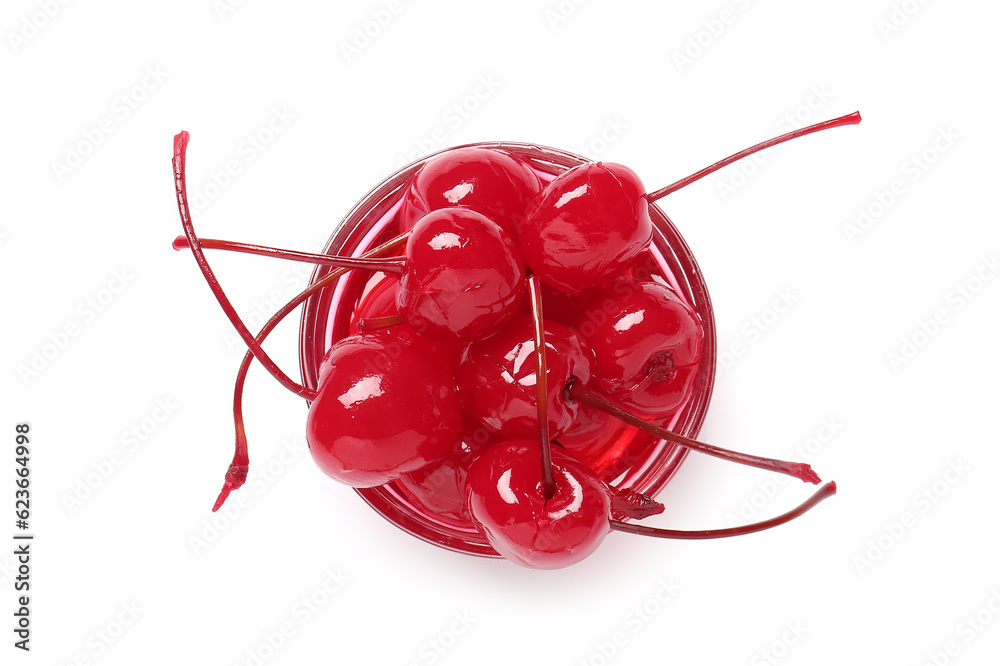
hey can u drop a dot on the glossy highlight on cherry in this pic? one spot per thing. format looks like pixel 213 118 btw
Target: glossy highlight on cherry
pixel 443 387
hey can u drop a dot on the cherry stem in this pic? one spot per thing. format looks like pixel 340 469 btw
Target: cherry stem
pixel 179 162
pixel 801 471
pixel 236 475
pixel 849 119
pixel 541 387
pixel 627 503
pixel 827 490
pixel 395 266
pixel 369 324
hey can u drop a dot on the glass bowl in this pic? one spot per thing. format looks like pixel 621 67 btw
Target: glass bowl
pixel 625 456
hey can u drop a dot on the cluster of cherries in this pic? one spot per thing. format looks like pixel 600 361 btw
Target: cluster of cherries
pixel 477 378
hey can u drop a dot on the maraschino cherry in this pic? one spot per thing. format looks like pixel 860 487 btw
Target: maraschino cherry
pixel 506 498
pixel 383 408
pixel 491 182
pixel 646 342
pixel 497 378
pixel 589 223
pixel 236 474
pixel 586 226
pixel 464 276
pixel 461 278
pixel 504 489
pixel 440 486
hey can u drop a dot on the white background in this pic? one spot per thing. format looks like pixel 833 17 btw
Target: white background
pixel 889 571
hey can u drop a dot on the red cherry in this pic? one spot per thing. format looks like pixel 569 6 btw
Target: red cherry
pixel 488 181
pixel 382 409
pixel 592 220
pixel 497 377
pixel 463 278
pixel 440 486
pixel 236 475
pixel 586 226
pixel 379 303
pixel 647 344
pixel 508 505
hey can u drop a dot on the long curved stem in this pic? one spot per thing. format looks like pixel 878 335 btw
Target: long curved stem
pixel 827 490
pixel 236 475
pixel 802 471
pixel 180 185
pixel 849 119
pixel 395 266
